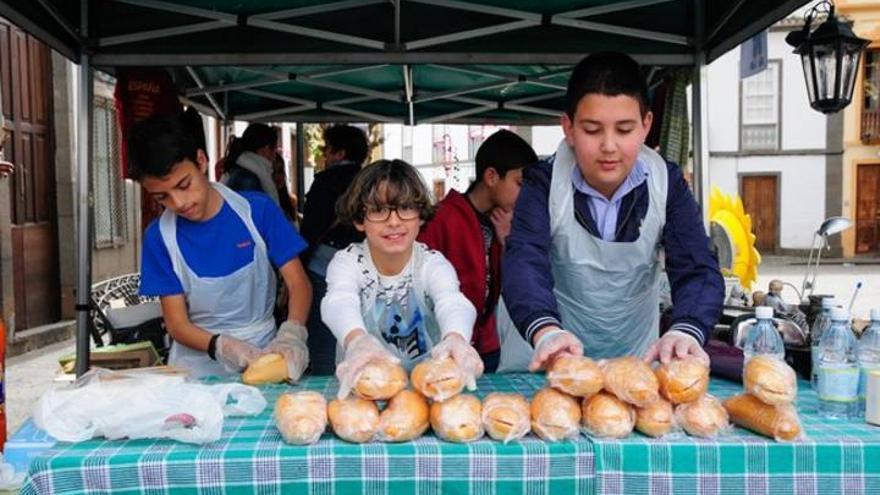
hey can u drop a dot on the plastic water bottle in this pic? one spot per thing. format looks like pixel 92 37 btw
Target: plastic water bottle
pixel 869 355
pixel 763 337
pixel 838 385
pixel 820 325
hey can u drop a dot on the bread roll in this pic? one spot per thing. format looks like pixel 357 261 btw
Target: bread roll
pixel 683 380
pixel 437 380
pixel 770 380
pixel 268 368
pixel 354 419
pixel 579 376
pixel 506 416
pixel 606 416
pixel 380 380
pixel 631 380
pixel 458 419
pixel 779 422
pixel 704 417
pixel 555 415
pixel 404 418
pixel 655 419
pixel 301 417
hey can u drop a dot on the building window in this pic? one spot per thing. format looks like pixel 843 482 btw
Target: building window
pixel 108 186
pixel 760 110
pixel 871 98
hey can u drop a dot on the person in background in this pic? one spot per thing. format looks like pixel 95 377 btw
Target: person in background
pixel 248 166
pixel 345 150
pixel 470 230
pixel 286 200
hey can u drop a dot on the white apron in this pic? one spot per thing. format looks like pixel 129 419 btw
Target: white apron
pixel 516 353
pixel 239 304
pixel 607 292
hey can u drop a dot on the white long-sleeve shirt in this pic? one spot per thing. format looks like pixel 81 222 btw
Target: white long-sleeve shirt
pixel 359 297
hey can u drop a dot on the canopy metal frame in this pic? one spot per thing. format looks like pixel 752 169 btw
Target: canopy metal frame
pixel 286 90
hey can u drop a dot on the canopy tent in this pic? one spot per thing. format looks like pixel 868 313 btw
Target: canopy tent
pixel 413 61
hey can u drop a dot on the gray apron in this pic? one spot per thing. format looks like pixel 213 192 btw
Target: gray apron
pixel 607 292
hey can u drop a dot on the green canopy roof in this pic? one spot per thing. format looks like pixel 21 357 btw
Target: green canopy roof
pixel 416 61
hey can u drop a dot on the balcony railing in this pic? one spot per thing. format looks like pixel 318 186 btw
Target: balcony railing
pixel 871 126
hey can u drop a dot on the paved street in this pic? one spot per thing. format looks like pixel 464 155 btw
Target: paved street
pixel 27 377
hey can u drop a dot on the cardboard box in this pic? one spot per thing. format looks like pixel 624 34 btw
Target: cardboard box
pixel 117 357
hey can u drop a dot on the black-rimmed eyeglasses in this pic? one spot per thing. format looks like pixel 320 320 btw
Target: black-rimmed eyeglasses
pixel 381 213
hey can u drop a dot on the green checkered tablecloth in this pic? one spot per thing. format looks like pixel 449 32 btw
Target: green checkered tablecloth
pixel 838 457
pixel 251 457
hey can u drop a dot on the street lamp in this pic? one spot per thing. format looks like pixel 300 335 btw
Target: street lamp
pixel 830 56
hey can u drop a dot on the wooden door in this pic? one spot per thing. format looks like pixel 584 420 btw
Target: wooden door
pixel 867 208
pixel 761 202
pixel 25 67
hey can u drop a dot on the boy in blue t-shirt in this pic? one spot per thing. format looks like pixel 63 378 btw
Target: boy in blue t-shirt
pixel 210 259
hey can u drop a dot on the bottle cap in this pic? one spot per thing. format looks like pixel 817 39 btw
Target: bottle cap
pixel 875 314
pixel 764 312
pixel 829 302
pixel 839 314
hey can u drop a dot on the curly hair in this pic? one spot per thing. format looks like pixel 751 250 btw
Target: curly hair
pixel 384 182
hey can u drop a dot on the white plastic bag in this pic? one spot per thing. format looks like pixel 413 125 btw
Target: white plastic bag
pixel 119 405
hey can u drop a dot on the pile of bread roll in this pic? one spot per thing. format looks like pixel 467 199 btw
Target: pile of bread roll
pixel 303 416
pixel 459 417
pixel 767 406
pixel 619 395
pixel 608 399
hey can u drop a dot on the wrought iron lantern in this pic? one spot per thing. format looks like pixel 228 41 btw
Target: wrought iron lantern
pixel 830 56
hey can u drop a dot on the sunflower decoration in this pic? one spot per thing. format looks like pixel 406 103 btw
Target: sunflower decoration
pixel 731 233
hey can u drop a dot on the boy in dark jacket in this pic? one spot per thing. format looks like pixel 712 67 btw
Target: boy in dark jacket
pixel 470 230
pixel 594 226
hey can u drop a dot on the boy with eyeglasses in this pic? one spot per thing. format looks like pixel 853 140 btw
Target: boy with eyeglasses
pixel 390 297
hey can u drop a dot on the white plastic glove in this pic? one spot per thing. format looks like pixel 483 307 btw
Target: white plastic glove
pixel 234 354
pixel 290 342
pixel 676 344
pixel 358 353
pixel 555 342
pixel 464 356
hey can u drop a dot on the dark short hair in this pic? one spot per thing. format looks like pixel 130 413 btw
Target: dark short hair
pixel 403 186
pixel 254 137
pixel 609 74
pixel 158 143
pixel 504 151
pixel 349 138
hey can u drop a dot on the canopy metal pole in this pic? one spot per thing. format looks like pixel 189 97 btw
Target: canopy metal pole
pixel 83 238
pixel 300 166
pixel 699 96
pixel 701 137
